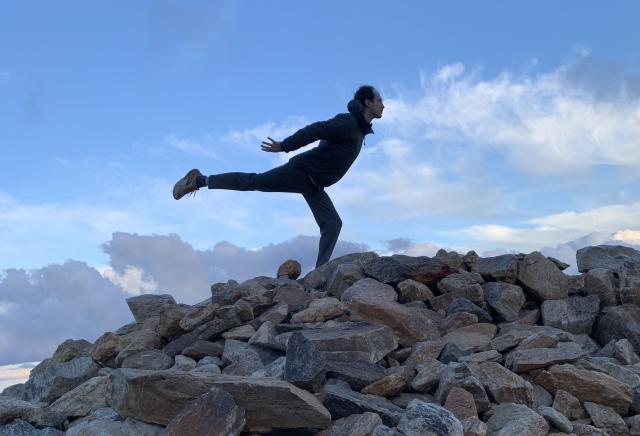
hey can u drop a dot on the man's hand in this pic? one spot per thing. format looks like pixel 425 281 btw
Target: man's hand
pixel 273 146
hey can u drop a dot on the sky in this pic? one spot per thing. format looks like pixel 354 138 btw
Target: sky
pixel 508 127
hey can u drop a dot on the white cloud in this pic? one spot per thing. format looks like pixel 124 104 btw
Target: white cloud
pixel 191 147
pixel 14 374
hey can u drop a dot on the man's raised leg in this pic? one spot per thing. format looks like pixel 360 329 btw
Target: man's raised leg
pixel 328 220
pixel 285 178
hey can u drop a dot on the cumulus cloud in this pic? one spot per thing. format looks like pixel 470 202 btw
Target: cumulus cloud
pixel 166 263
pixel 49 305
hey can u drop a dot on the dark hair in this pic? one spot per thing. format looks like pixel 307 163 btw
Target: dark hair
pixel 365 92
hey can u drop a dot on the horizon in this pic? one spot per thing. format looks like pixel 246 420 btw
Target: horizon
pixel 507 128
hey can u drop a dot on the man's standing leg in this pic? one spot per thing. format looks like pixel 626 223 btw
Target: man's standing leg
pixel 328 220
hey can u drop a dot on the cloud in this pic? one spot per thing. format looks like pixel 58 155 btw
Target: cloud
pixel 14 374
pixel 55 303
pixel 408 247
pixel 166 263
pixel 191 147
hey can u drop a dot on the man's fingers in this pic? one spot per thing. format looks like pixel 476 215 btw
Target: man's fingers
pixel 270 138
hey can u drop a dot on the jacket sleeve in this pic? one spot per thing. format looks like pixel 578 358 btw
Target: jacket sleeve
pixel 335 129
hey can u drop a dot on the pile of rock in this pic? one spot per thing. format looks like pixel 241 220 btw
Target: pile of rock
pixel 364 345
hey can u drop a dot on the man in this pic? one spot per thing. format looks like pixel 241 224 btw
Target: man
pixel 310 172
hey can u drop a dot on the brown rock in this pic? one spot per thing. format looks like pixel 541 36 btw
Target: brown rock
pixel 391 384
pixel 505 386
pixel 320 310
pixel 290 268
pixel 368 287
pixel 411 290
pixel 212 414
pixel 355 425
pixel 568 405
pixel 586 385
pixel 422 352
pixel 534 358
pixel 293 296
pixel 473 293
pixel 542 277
pixel 472 338
pixel 460 402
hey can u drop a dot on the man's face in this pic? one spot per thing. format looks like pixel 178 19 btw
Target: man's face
pixel 376 106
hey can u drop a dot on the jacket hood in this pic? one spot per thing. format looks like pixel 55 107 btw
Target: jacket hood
pixel 356 108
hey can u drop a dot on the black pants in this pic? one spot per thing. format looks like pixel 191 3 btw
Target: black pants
pixel 287 178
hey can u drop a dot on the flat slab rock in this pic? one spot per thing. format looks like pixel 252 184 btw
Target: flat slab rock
pixel 428 419
pixel 342 402
pixel 516 419
pixel 158 396
pixel 359 341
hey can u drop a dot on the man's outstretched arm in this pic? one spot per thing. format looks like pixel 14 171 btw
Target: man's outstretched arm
pixel 337 128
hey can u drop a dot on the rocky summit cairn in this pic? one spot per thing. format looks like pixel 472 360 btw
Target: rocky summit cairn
pixel 363 345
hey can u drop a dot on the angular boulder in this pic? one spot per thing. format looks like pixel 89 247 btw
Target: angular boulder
pixel 148 305
pixel 51 383
pixel 427 419
pixel 573 314
pixel 542 278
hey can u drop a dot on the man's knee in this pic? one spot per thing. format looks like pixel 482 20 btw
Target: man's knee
pixel 333 226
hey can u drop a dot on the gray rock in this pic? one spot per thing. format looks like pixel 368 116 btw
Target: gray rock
pixel 555 418
pixel 106 422
pixel 502 268
pixel 534 358
pixel 148 305
pixel 611 367
pixel 320 310
pixel 355 425
pixel 451 353
pixel 399 267
pixel 464 305
pixel 630 285
pixel 350 341
pixel 624 352
pixel 314 280
pixel 619 322
pixel 474 427
pixel 240 333
pixel 83 399
pixel 603 283
pixel 403 399
pixel 15 392
pixel 411 290
pixel 504 298
pixel 607 419
pixel 274 369
pixel 266 337
pixel 459 375
pixel 343 277
pixel 473 293
pixel 148 359
pixel 33 412
pixel 612 257
pixel 539 340
pixel 183 363
pixel 201 349
pixel 505 386
pixel 540 276
pixel 275 315
pixel 422 352
pixel 574 314
pixel 428 375
pixel 242 358
pixel 169 321
pixel 516 419
pixel 209 360
pixel 424 419
pixel 483 356
pixel 356 373
pixel 343 402
pixel 541 397
pixel 210 369
pixel 213 329
pixel 305 365
pixel 383 430
pixel 459 280
pixel 49 384
pixel 369 287
pixel 395 380
pixel 294 296
pixel 475 337
pixel 23 428
pixel 214 413
pixel 568 405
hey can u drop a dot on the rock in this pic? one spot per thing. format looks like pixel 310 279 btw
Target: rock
pixel 344 276
pixel 568 405
pixel 242 358
pixel 320 310
pixel 504 386
pixel 461 404
pixel 148 359
pixel 624 352
pixel 240 333
pixel 534 358
pixel 352 341
pixel 630 285
pixel 305 365
pixel 474 427
pixel 516 419
pixel 290 268
pixel 148 305
pixel 215 413
pixel 183 363
pixel 423 419
pixel 611 367
pixel 213 329
pixel 459 280
pixel 355 425
pixel 69 350
pixel 459 375
pixel 428 376
pixel 200 349
pixel 50 383
pixel 560 264
pixel 411 290
pixel 230 292
pixel 473 293
pixel 343 402
pixel 15 392
pixel 383 430
pixel 140 340
pixel 502 268
pixel 612 257
pixel 455 321
pixel 275 315
pixel 356 373
pixel 541 277
pixel 106 421
pixel 421 352
pixel 539 340
pixel 619 322
pixel 451 258
pixel 540 396
pixel 483 356
pixel 369 287
pixel 107 347
pixel 314 280
pixel 295 297
pixel 603 283
pixel 274 369
pixel 606 418
pixel 574 314
pixel 394 382
pixel 510 339
pixel 33 412
pixel 266 337
pixel 399 267
pixel 472 338
pixel 408 324
pixel 23 428
pixel 464 305
pixel 83 399
pixel 555 418
pixel 586 385
pixel 504 298
pixel 210 369
pixel 581 429
pixel 634 425
pixel 451 353
pixel 403 399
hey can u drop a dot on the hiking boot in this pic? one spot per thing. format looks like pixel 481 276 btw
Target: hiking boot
pixel 186 185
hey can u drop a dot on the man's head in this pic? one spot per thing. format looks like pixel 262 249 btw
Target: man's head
pixel 371 100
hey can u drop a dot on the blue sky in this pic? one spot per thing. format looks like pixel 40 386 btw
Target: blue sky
pixel 508 127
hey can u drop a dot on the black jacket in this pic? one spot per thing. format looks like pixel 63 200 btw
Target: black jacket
pixel 340 141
